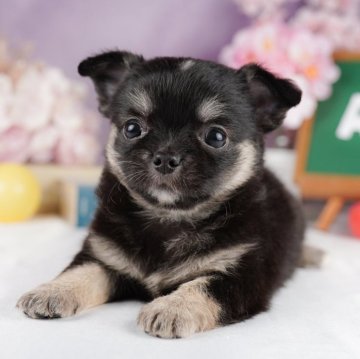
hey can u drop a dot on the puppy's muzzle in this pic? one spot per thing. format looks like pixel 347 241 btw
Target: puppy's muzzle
pixel 166 163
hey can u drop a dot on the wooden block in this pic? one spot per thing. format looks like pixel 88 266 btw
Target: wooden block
pixel 51 176
pixel 78 202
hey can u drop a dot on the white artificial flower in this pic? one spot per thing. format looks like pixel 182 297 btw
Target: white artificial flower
pixel 304 110
pixel 42 144
pixel 67 113
pixel 42 114
pixel 56 80
pixel 33 100
pixel 6 93
pixel 78 147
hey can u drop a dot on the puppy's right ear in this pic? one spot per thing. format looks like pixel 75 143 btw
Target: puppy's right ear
pixel 107 71
pixel 270 95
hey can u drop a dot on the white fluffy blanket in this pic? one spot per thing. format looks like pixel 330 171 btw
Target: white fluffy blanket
pixel 317 314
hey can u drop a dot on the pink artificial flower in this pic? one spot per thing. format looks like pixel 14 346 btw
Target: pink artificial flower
pixel 4 54
pixel 68 113
pixel 14 145
pixel 342 30
pixel 264 9
pixel 340 6
pixel 291 52
pixel 312 59
pixel 91 122
pixel 15 69
pixel 263 43
pixel 265 38
pixel 55 80
pixel 239 52
pixel 43 143
pixel 271 52
pixel 42 114
pixel 77 148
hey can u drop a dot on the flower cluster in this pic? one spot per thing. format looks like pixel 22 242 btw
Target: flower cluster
pixel 265 9
pixel 292 52
pixel 338 20
pixel 42 116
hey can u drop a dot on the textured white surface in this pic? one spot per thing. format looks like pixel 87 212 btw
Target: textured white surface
pixel 317 314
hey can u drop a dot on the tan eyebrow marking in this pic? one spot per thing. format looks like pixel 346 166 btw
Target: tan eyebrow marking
pixel 141 100
pixel 210 109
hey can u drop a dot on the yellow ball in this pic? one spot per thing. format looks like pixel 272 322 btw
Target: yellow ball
pixel 19 193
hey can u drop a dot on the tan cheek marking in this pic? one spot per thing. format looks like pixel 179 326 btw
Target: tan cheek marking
pixel 113 160
pixel 187 310
pixel 243 170
pixel 111 154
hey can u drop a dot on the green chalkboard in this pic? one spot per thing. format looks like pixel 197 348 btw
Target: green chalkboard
pixel 327 153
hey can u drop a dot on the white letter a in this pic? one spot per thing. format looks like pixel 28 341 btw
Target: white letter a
pixel 350 120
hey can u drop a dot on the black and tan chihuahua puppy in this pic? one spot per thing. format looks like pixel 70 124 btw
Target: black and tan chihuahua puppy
pixel 188 217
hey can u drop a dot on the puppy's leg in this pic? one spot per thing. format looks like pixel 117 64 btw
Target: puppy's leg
pixel 203 304
pixel 78 287
pixel 187 310
pixel 240 297
pixel 86 282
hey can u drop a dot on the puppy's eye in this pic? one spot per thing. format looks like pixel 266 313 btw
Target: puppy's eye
pixel 132 129
pixel 215 137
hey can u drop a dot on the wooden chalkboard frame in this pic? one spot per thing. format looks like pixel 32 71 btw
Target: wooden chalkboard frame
pixel 336 189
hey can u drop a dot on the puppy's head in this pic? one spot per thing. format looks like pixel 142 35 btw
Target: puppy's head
pixel 185 131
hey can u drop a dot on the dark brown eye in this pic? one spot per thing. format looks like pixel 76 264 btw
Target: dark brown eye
pixel 132 129
pixel 215 137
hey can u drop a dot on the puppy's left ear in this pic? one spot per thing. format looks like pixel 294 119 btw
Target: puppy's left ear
pixel 271 96
pixel 107 71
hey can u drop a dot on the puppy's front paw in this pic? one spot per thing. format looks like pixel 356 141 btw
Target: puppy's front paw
pixel 175 316
pixel 48 301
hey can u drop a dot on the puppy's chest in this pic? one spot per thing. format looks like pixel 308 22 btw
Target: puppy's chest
pixel 163 257
pixel 167 246
pixel 159 260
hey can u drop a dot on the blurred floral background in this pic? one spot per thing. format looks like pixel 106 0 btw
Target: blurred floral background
pixel 46 114
pixel 42 114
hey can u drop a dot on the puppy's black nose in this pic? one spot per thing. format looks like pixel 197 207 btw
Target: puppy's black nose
pixel 166 163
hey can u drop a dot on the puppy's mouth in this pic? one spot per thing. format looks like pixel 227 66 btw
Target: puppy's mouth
pixel 156 188
pixel 164 188
pixel 167 191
